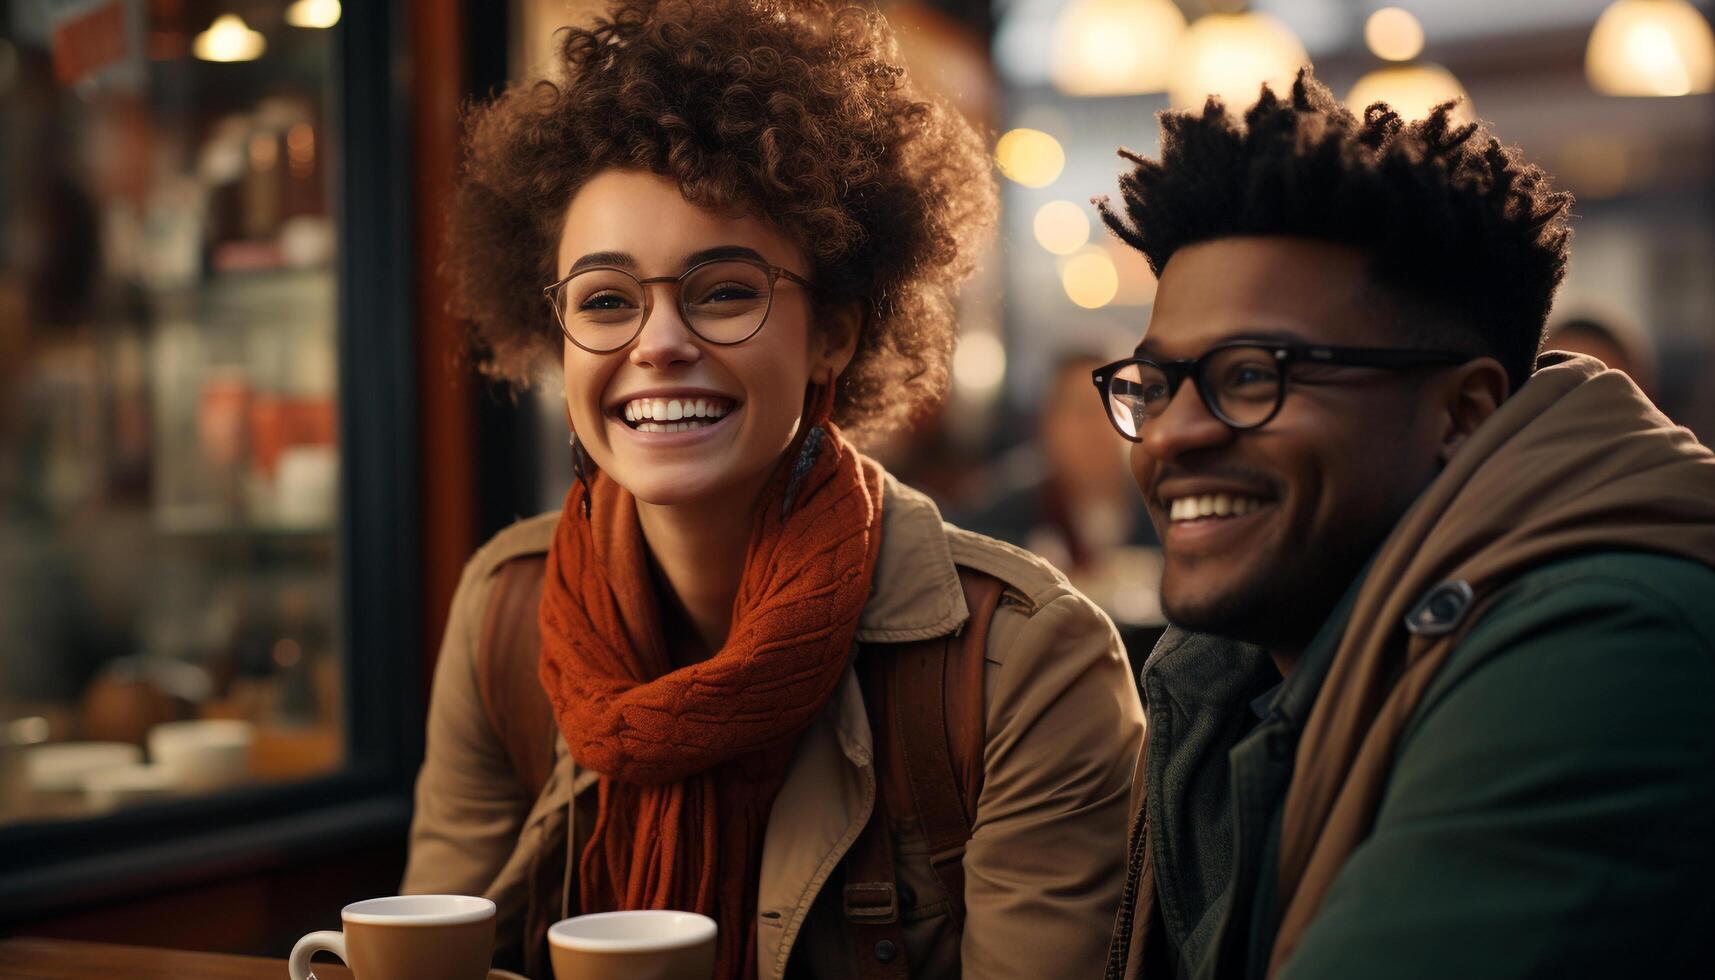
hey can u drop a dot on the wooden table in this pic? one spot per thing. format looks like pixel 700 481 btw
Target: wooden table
pixel 55 959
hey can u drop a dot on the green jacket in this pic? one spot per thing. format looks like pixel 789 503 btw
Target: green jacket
pixel 1551 810
pixel 1518 782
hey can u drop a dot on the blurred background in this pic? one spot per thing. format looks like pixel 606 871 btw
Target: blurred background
pixel 241 467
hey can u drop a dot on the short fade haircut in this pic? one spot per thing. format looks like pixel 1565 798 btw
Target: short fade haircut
pixel 1465 234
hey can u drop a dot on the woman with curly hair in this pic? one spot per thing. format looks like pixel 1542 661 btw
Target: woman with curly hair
pixel 744 672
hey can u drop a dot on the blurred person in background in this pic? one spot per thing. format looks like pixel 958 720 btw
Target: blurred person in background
pixel 1439 699
pixel 1068 496
pixel 749 226
pixel 1616 341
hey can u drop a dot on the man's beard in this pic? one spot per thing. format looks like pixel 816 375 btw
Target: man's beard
pixel 1281 603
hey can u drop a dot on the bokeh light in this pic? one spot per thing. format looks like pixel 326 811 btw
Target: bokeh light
pixel 313 13
pixel 1411 91
pixel 1394 34
pixel 1090 279
pixel 1061 227
pixel 1115 47
pixel 229 38
pixel 1651 47
pixel 1232 56
pixel 1030 157
pixel 979 363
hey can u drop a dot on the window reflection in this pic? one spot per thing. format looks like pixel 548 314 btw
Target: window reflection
pixel 168 456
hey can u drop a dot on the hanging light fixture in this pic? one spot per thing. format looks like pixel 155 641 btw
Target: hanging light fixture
pixel 1232 56
pixel 229 38
pixel 1651 47
pixel 1411 88
pixel 313 13
pixel 1115 47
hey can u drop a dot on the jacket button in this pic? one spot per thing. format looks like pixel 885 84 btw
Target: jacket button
pixel 1440 610
pixel 907 897
pixel 885 951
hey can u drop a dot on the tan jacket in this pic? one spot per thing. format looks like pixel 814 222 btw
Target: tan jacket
pixel 1043 868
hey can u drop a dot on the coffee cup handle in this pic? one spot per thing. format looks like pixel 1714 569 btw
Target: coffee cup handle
pixel 316 942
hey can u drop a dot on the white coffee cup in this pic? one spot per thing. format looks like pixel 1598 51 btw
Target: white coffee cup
pixel 203 754
pixel 407 937
pixel 634 945
pixel 60 767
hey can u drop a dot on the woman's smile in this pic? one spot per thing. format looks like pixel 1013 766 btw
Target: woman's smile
pixel 674 411
pixel 674 419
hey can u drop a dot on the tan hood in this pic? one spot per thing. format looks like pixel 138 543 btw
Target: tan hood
pixel 1578 460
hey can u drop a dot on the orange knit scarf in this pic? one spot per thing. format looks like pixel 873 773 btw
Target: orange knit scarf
pixel 692 758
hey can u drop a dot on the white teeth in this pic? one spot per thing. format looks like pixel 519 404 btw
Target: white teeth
pixel 1211 505
pixel 669 410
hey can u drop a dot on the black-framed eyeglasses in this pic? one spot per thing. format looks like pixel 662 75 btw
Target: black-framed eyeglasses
pixel 723 301
pixel 1242 383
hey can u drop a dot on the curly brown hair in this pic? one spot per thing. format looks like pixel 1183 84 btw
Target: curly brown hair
pixel 1458 226
pixel 795 110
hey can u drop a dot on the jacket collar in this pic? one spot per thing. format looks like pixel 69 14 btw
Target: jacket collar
pixel 915 594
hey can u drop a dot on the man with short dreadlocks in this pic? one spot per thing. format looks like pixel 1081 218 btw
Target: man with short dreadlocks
pixel 1439 697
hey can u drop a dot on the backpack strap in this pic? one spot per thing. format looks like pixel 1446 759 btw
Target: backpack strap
pixel 508 652
pixel 926 709
pixel 936 699
pixel 874 931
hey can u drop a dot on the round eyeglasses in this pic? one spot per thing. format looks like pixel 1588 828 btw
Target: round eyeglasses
pixel 723 301
pixel 1242 383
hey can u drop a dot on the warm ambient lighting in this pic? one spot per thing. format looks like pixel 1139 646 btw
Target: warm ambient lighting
pixel 1231 56
pixel 1115 47
pixel 1394 34
pixel 1061 227
pixel 1090 279
pixel 313 13
pixel 229 39
pixel 979 363
pixel 1030 157
pixel 1411 90
pixel 1651 47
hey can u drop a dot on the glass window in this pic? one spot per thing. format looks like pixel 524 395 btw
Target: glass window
pixel 169 467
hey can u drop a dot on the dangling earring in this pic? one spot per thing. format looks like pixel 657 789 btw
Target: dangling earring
pixel 580 465
pixel 822 410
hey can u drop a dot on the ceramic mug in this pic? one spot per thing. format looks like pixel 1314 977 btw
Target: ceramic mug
pixel 407 937
pixel 644 945
pixel 205 754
